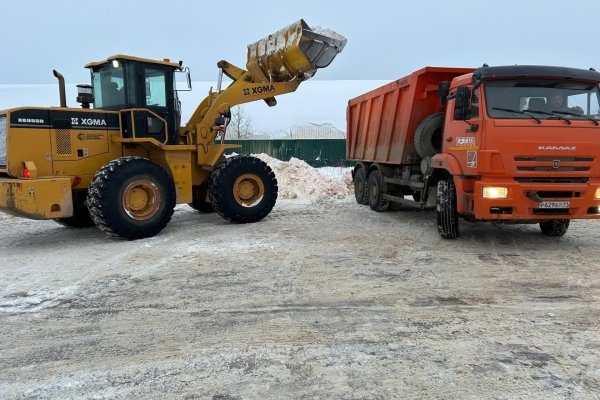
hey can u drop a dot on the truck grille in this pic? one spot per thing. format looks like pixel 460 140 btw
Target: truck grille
pixel 550 180
pixel 3 141
pixel 553 164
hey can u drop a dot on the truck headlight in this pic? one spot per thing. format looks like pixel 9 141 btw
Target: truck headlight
pixel 491 192
pixel 597 195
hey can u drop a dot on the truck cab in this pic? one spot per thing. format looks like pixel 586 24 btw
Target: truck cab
pixel 521 143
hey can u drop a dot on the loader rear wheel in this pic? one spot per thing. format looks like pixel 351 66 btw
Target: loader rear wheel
pixel 360 186
pixel 375 192
pixel 243 189
pixel 446 214
pixel 131 198
pixel 81 215
pixel 428 135
pixel 555 227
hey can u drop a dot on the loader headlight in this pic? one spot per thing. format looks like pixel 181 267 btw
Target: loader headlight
pixel 492 192
pixel 597 195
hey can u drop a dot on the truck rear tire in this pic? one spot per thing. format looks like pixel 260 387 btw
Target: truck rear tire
pixel 81 215
pixel 446 214
pixel 375 192
pixel 555 227
pixel 360 186
pixel 243 189
pixel 428 135
pixel 131 198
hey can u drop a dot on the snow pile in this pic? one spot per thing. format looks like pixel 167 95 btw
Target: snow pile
pixel 298 180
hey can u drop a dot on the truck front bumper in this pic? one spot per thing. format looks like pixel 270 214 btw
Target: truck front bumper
pixel 524 201
pixel 40 198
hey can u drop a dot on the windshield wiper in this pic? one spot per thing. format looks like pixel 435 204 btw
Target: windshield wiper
pixel 577 115
pixel 551 113
pixel 539 121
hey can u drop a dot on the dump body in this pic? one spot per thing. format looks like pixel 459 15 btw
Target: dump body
pixel 381 123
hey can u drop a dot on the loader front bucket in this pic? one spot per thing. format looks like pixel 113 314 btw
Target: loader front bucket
pixel 294 52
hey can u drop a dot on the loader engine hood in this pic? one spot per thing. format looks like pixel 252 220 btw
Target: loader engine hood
pixel 294 52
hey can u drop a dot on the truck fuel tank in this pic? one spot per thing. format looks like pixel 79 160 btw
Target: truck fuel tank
pixel 294 52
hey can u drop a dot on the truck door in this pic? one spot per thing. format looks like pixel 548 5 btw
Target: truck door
pixel 462 131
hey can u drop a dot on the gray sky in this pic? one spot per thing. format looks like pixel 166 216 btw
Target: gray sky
pixel 385 40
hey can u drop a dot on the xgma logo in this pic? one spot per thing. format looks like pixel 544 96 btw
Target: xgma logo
pixel 259 90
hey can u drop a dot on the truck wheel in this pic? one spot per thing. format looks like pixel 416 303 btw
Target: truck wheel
pixel 446 214
pixel 555 227
pixel 199 202
pixel 243 189
pixel 131 198
pixel 375 192
pixel 360 186
pixel 428 135
pixel 81 215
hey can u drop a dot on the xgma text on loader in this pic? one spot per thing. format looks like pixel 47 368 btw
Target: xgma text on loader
pixel 124 164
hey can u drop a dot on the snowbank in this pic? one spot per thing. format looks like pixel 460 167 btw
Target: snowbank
pixel 298 180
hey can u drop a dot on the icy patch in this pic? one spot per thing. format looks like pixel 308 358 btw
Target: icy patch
pixel 36 300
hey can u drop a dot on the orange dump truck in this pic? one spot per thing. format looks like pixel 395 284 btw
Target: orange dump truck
pixel 514 144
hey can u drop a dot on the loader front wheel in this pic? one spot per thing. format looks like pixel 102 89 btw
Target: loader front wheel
pixel 243 189
pixel 131 198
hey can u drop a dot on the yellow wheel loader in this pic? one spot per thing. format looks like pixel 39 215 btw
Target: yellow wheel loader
pixel 124 163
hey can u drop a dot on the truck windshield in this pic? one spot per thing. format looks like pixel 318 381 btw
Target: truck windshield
pixel 542 98
pixel 109 90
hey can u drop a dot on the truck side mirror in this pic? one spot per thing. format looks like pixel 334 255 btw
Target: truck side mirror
pixel 462 103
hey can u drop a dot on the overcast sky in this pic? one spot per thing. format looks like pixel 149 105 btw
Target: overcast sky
pixel 386 39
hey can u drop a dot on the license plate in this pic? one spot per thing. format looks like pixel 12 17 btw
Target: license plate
pixel 555 204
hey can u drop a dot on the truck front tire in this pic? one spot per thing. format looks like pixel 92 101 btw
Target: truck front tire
pixel 131 198
pixel 446 214
pixel 555 227
pixel 243 189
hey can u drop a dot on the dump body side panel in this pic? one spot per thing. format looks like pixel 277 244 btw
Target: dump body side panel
pixel 382 122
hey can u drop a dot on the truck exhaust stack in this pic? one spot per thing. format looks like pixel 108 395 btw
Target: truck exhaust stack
pixel 294 52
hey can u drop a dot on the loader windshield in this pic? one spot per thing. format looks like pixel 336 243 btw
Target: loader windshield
pixel 109 87
pixel 542 98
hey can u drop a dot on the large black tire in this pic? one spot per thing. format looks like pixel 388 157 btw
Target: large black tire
pixel 555 227
pixel 446 214
pixel 376 191
pixel 200 201
pixel 243 189
pixel 360 186
pixel 429 135
pixel 131 198
pixel 81 215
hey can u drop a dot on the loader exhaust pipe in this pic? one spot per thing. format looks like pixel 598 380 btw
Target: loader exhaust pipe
pixel 61 88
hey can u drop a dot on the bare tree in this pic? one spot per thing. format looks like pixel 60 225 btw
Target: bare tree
pixel 240 126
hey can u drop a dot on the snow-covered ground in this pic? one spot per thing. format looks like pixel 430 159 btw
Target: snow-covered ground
pixel 324 298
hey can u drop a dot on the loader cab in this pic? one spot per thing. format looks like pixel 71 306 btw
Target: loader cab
pixel 143 91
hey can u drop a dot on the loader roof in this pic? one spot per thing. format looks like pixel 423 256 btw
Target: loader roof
pixel 132 58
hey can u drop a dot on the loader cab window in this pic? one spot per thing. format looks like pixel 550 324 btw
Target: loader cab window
pixel 155 81
pixel 109 86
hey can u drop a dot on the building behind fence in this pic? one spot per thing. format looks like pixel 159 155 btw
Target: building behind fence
pixel 319 145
